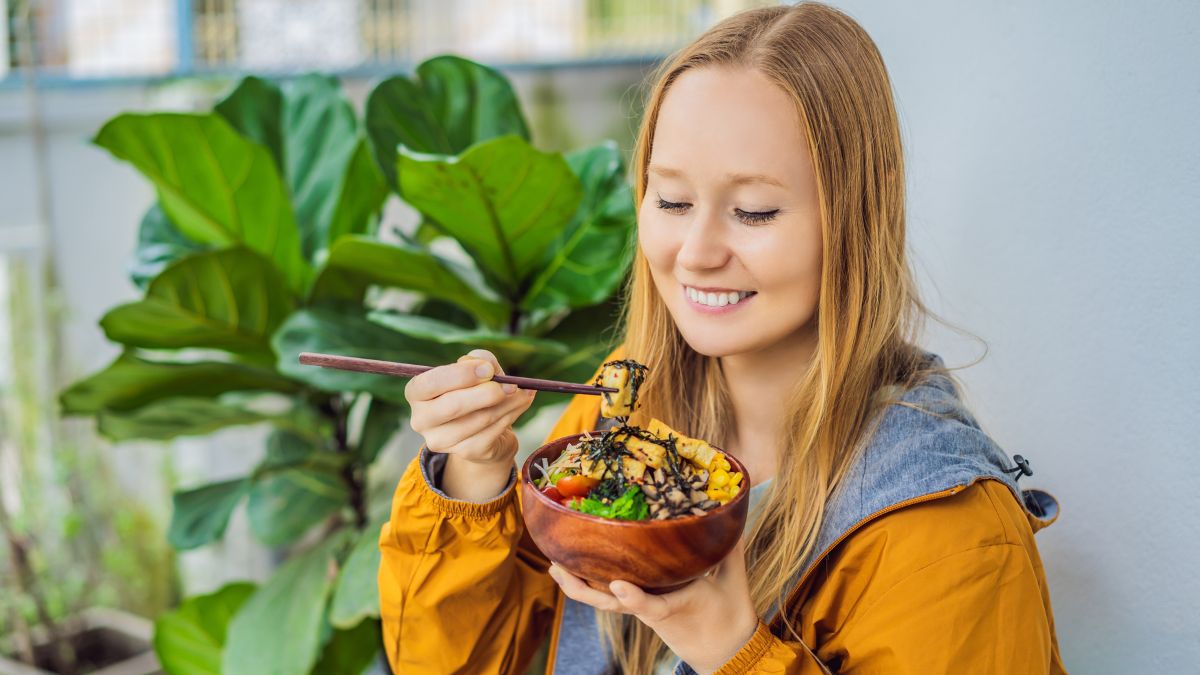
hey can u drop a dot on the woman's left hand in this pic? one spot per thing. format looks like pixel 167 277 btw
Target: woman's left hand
pixel 705 623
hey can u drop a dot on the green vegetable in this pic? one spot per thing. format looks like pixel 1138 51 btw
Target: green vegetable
pixel 542 482
pixel 629 506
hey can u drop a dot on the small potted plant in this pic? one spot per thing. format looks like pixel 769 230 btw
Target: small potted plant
pixel 48 622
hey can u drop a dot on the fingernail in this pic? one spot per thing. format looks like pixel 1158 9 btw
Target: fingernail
pixel 554 572
pixel 483 370
pixel 509 387
pixel 619 590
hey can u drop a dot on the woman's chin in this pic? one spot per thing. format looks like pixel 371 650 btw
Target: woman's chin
pixel 715 343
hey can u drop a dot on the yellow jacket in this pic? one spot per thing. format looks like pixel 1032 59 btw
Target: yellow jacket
pixel 950 582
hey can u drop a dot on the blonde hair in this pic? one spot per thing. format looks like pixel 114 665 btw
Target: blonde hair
pixel 868 316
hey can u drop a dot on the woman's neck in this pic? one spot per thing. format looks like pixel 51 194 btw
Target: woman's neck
pixel 760 386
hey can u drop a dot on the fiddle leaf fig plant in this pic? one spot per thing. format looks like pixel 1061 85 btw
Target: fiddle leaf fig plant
pixel 265 241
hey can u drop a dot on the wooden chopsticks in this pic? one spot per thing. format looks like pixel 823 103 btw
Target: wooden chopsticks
pixel 412 369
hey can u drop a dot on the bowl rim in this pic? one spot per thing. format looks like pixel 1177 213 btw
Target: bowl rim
pixel 526 480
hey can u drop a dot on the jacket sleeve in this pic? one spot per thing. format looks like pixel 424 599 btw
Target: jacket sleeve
pixel 765 653
pixel 462 587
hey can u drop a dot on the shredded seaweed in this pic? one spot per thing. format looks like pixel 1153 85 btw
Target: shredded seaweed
pixel 608 451
pixel 673 461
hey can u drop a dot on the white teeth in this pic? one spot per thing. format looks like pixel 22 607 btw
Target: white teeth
pixel 716 299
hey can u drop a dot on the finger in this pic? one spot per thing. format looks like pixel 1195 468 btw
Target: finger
pixel 473 424
pixel 442 379
pixel 484 355
pixel 647 607
pixel 576 589
pixel 453 405
pixel 481 443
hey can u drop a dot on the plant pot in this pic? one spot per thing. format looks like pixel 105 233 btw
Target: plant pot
pixel 106 642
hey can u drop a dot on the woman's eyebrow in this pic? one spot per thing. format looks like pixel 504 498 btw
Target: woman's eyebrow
pixel 732 178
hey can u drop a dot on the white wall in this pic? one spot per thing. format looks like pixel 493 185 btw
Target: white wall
pixel 1053 152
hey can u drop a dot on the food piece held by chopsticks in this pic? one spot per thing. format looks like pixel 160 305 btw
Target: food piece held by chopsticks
pixel 626 376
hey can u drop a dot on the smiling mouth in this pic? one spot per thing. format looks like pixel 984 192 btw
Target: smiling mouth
pixel 716 298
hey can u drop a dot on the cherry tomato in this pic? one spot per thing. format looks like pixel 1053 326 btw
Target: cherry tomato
pixel 552 492
pixel 576 486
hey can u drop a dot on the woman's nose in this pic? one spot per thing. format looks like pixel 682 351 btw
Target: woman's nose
pixel 704 245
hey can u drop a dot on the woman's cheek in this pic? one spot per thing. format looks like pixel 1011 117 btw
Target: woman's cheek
pixel 656 242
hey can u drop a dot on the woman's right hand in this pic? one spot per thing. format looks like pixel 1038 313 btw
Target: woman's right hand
pixel 461 412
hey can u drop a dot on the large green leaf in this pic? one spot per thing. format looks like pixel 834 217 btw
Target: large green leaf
pixel 502 200
pixel 512 351
pixel 589 335
pixel 255 108
pixel 312 132
pixel 216 186
pixel 171 417
pixel 357 261
pixel 130 382
pixel 443 311
pixel 591 256
pixel 201 514
pixel 451 104
pixel 188 640
pixel 285 503
pixel 230 299
pixel 360 196
pixel 381 423
pixel 349 652
pixel 343 330
pixel 279 630
pixel 159 244
pixel 356 596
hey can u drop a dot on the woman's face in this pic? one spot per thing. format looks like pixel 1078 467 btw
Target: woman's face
pixel 730 223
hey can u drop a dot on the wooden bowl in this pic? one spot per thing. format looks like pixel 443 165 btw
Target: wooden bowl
pixel 656 555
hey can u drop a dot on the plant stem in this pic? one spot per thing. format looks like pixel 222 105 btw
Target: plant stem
pixel 352 472
pixel 27 584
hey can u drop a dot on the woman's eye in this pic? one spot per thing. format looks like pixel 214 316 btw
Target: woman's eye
pixel 755 217
pixel 672 207
pixel 747 217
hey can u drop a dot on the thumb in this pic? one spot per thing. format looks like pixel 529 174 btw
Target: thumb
pixel 484 355
pixel 734 565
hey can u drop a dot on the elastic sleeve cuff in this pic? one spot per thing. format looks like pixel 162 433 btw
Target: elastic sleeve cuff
pixel 751 653
pixel 432 464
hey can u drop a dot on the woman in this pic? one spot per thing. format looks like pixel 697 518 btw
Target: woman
pixel 773 302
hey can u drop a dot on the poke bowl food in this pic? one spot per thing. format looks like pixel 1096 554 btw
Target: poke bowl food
pixel 651 506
